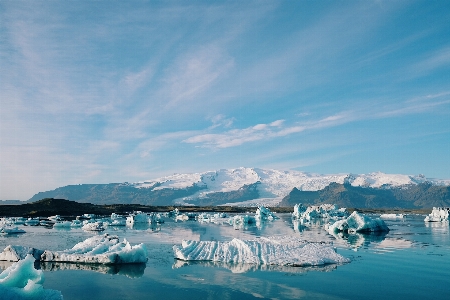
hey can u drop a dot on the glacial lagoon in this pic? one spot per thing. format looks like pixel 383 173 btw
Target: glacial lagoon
pixel 412 261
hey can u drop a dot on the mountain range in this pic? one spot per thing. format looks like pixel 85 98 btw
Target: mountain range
pixel 253 186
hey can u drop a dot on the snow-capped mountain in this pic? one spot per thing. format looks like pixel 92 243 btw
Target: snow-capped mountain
pixel 276 183
pixel 253 186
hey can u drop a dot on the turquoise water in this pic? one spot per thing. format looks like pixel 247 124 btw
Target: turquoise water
pixel 410 262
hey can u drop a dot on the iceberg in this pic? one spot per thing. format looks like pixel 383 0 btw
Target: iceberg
pixel 16 253
pixel 11 230
pixel 137 217
pixel 95 226
pixel 438 214
pixel 22 281
pixel 318 211
pixel 32 222
pixel 392 216
pixel 104 249
pixel 263 213
pixel 241 220
pixel 357 223
pixel 101 249
pixel 284 251
pixel 62 224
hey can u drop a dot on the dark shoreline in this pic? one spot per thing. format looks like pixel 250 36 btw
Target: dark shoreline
pixel 66 208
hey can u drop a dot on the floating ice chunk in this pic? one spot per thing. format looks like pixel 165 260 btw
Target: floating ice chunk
pixel 269 251
pixel 32 222
pixel 76 223
pixel 357 223
pixel 104 249
pixel 318 211
pixel 11 230
pixel 62 224
pixel 392 216
pixel 186 216
pixel 137 217
pixel 95 226
pixel 241 220
pixel 118 222
pixel 438 214
pixel 22 281
pixel 214 218
pixel 263 213
pixel 16 253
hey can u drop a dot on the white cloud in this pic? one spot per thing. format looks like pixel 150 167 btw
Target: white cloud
pixel 237 137
pixel 435 60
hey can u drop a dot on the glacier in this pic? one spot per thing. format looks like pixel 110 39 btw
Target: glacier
pixel 275 183
pixel 282 251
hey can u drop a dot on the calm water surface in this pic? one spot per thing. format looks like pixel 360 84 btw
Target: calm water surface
pixel 411 262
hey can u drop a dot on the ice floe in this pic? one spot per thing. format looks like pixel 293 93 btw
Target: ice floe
pixel 62 224
pixel 137 217
pixel 241 220
pixel 94 226
pixel 318 211
pixel 438 214
pixel 16 253
pixel 11 230
pixel 263 213
pixel 22 281
pixel 283 251
pixel 357 222
pixel 102 249
pixel 392 216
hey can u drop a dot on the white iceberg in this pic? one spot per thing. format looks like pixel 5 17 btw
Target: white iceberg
pixel 137 217
pixel 104 249
pixel 94 226
pixel 318 211
pixel 263 213
pixel 32 222
pixel 438 214
pixel 357 223
pixel 16 253
pixel 62 224
pixel 212 218
pixel 285 251
pixel 392 216
pixel 22 281
pixel 241 220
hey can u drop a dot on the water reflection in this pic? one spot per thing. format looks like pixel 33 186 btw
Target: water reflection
pixel 145 226
pixel 298 225
pixel 358 240
pixel 129 270
pixel 244 268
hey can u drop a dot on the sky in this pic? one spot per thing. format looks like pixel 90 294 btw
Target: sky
pixel 125 91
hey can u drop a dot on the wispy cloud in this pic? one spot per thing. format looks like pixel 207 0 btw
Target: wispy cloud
pixel 434 61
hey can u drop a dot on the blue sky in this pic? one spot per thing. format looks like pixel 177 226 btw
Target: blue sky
pixel 114 91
